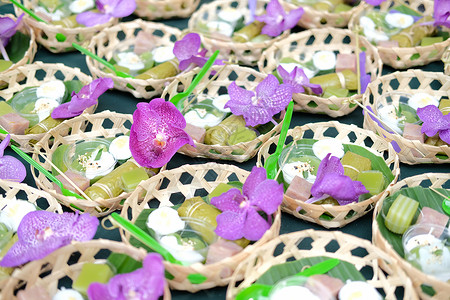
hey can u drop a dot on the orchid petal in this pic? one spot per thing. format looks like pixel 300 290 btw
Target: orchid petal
pixel 340 187
pixel 292 18
pixel 330 164
pixel 230 225
pixel 257 175
pixel 445 135
pixel 228 201
pixel 12 169
pixel 146 283
pixel 8 28
pixel 240 96
pixel 89 18
pixel 4 144
pixel 41 232
pixel 187 47
pixel 123 8
pixel 433 120
pixel 441 13
pixel 267 196
pixel 255 226
pixel 374 2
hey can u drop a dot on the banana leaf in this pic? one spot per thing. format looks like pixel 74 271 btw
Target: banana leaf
pixel 344 271
pixel 425 197
pixel 71 86
pixel 17 46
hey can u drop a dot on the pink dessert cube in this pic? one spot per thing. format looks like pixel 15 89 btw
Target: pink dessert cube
pixel 413 132
pixel 431 216
pixel 78 179
pixel 299 189
pixel 346 61
pixel 14 123
pixel 388 44
pixel 220 250
pixel 197 133
pixel 324 286
pixel 145 41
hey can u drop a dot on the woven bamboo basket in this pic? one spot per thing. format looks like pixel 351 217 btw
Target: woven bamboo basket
pixel 104 124
pixel 406 57
pixel 29 54
pixel 314 18
pixel 64 265
pixel 442 289
pixel 46 32
pixel 341 215
pixel 36 74
pixel 246 53
pixel 388 278
pixel 154 9
pixel 446 60
pixel 122 36
pixel 411 81
pixel 245 77
pixel 42 199
pixel 190 180
pixel 15 190
pixel 302 46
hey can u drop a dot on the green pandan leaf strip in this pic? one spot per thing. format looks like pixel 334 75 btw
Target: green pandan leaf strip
pixel 196 278
pixel 407 10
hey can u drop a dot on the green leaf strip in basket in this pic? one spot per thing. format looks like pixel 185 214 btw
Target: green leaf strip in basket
pixel 344 271
pixel 407 10
pixel 18 46
pixel 425 197
pixel 123 263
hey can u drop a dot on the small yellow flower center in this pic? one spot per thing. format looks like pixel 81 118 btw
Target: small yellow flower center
pixel 160 140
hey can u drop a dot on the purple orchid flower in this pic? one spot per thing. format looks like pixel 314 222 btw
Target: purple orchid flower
pixel 374 2
pixel 108 9
pixel 331 181
pixel 8 28
pixel 10 167
pixel 252 8
pixel 41 232
pixel 146 283
pixel 188 51
pixel 85 98
pixel 298 80
pixel 441 13
pixel 434 121
pixel 271 98
pixel 277 20
pixel 364 79
pixel 240 217
pixel 157 133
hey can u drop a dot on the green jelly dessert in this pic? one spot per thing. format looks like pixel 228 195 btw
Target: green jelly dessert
pixel 91 272
pixel 334 91
pixel 219 190
pixel 5 64
pixel 354 164
pixel 430 40
pixel 5 108
pixel 132 178
pixel 401 214
pixel 373 180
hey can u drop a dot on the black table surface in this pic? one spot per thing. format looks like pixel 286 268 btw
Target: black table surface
pixel 123 102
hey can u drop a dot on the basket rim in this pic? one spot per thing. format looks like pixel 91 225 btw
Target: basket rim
pixel 331 235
